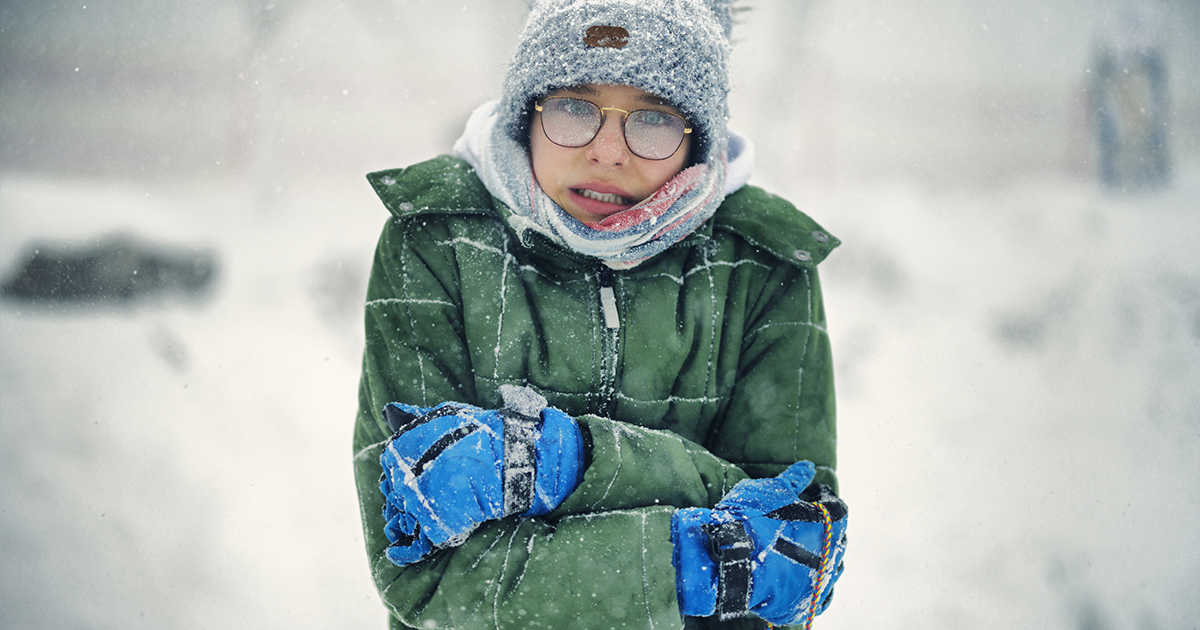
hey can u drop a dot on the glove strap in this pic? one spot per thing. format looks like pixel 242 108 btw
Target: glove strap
pixel 816 589
pixel 520 461
pixel 731 548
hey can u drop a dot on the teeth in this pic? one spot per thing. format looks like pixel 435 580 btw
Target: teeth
pixel 615 199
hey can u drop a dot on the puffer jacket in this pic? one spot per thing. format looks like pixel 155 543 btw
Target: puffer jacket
pixel 709 363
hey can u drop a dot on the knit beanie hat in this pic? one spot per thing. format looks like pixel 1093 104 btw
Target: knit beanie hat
pixel 675 49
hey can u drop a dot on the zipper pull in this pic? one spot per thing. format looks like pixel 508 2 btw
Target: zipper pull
pixel 608 299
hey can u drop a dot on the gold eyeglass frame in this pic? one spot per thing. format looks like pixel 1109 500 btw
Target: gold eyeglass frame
pixel 537 105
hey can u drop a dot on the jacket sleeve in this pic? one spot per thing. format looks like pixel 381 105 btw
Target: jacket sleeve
pixel 605 552
pixel 782 407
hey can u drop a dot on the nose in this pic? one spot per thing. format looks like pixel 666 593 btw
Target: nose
pixel 608 147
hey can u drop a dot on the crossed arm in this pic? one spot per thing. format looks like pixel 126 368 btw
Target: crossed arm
pixel 605 551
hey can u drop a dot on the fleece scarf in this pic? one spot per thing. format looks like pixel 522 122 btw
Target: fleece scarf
pixel 621 241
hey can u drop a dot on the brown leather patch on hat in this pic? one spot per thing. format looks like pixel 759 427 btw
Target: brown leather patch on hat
pixel 603 36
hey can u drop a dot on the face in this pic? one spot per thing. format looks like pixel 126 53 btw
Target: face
pixel 602 178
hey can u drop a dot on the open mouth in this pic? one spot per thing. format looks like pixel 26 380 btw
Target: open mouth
pixel 604 197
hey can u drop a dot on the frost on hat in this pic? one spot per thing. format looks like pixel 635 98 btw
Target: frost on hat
pixel 675 49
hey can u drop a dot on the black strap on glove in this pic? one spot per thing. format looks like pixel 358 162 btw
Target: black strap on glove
pixel 520 461
pixel 731 548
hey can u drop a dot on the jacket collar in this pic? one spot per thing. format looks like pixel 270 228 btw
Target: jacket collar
pixel 447 185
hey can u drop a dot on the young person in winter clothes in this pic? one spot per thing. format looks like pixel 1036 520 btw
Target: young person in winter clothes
pixel 597 385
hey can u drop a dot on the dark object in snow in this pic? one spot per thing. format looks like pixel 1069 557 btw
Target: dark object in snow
pixel 116 269
pixel 1129 98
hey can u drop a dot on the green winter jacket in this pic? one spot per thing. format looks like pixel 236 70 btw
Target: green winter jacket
pixel 712 365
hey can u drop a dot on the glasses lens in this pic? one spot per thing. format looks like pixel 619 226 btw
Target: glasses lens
pixel 570 122
pixel 654 135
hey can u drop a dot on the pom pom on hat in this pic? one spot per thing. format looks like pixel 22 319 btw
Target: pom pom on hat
pixel 675 49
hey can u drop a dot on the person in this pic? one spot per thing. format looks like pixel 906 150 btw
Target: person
pixel 597 381
pixel 1129 97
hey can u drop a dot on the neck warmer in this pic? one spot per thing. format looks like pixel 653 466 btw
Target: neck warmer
pixel 621 241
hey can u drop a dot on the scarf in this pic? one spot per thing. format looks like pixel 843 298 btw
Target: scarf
pixel 621 241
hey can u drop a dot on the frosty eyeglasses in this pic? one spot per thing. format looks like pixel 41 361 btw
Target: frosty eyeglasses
pixel 649 133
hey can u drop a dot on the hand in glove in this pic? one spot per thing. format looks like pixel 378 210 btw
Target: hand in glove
pixel 409 543
pixel 451 467
pixel 764 549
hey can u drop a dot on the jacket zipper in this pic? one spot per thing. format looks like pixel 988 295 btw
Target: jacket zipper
pixel 610 337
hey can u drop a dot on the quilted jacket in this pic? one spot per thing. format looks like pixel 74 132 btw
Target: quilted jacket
pixel 705 365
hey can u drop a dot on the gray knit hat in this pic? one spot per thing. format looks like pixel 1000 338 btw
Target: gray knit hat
pixel 675 49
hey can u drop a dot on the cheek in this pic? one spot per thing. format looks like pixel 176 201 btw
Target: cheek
pixel 663 171
pixel 672 166
pixel 539 160
pixel 546 158
pixel 684 155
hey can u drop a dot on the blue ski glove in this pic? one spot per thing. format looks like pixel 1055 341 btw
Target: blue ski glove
pixel 409 543
pixel 763 549
pixel 449 468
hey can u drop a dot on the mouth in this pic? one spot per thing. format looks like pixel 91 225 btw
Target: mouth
pixel 612 198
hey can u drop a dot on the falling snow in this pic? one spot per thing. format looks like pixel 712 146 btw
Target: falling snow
pixel 1016 348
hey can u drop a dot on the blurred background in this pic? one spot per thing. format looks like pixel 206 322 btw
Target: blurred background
pixel 185 235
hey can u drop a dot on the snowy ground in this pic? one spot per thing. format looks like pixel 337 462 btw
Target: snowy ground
pixel 1017 356
pixel 1017 373
pixel 1020 416
pixel 187 466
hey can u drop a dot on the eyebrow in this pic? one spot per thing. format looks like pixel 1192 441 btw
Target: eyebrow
pixel 648 98
pixel 581 89
pixel 656 100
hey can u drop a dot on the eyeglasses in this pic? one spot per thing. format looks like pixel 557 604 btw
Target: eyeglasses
pixel 649 133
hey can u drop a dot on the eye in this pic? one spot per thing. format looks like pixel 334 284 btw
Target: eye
pixel 655 118
pixel 576 107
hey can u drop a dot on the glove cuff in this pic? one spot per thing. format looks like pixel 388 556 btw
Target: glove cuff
pixel 543 461
pixel 695 571
pixel 520 462
pixel 732 548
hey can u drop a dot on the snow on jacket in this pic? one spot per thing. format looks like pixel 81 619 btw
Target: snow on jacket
pixel 712 365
